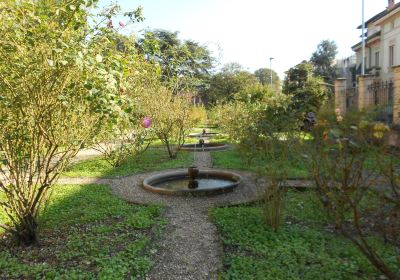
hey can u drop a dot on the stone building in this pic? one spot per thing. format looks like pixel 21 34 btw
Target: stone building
pixel 379 88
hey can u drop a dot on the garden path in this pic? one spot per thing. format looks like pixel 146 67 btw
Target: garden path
pixel 85 154
pixel 189 247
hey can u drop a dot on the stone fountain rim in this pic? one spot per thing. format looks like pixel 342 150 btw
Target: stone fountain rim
pixel 180 174
pixel 205 135
pixel 207 147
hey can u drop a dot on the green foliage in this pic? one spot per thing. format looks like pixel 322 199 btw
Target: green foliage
pixel 60 82
pixel 171 117
pixel 88 234
pixel 223 86
pixel 183 64
pixel 263 129
pixel 234 159
pixel 356 176
pixel 266 131
pixel 122 141
pixel 198 115
pixel 254 93
pixel 323 59
pixel 306 90
pixel 153 159
pixel 125 136
pixel 263 75
pixel 302 249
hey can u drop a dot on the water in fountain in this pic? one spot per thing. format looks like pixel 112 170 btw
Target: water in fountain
pixel 193 181
pixel 193 171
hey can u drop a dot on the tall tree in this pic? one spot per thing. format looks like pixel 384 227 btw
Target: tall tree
pixel 263 75
pixel 183 64
pixel 323 59
pixel 307 90
pixel 223 86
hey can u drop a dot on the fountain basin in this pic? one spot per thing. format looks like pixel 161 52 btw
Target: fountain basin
pixel 207 147
pixel 210 182
pixel 203 135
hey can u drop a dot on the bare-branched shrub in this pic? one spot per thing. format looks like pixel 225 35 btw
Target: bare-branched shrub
pixel 171 117
pixel 357 179
pixel 60 81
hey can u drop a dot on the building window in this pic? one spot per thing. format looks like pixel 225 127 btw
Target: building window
pixel 391 56
pixel 369 57
pixel 377 59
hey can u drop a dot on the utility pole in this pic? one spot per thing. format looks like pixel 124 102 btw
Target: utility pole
pixel 270 70
pixel 363 41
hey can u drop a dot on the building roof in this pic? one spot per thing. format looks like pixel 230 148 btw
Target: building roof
pixel 380 15
pixel 369 39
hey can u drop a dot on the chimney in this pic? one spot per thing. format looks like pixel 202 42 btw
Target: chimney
pixel 390 4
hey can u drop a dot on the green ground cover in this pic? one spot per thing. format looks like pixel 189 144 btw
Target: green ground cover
pixel 304 248
pixel 151 160
pixel 232 159
pixel 86 233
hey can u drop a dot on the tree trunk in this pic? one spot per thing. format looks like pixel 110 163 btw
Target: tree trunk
pixel 26 231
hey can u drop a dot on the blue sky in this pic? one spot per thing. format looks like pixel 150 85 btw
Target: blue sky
pixel 251 31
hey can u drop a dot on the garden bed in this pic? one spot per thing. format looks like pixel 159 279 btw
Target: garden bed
pixel 232 159
pixel 306 247
pixel 86 233
pixel 151 160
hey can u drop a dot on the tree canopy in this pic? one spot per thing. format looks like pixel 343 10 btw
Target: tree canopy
pixel 183 64
pixel 306 89
pixel 224 85
pixel 323 59
pixel 263 75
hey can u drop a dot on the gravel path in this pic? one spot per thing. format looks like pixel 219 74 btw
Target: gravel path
pixel 130 189
pixel 189 247
pixel 203 160
pixel 85 154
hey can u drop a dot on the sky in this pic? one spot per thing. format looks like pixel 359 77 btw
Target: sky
pixel 249 32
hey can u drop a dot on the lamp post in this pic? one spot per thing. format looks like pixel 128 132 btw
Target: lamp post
pixel 363 41
pixel 270 69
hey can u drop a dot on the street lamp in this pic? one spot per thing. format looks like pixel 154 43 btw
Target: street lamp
pixel 270 69
pixel 363 41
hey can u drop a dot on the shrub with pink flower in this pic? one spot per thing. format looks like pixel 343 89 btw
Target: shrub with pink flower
pixel 146 122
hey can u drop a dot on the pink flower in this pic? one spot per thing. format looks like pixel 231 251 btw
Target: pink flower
pixel 146 122
pixel 122 24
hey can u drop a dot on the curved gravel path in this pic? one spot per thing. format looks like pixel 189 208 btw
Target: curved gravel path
pixel 189 247
pixel 130 189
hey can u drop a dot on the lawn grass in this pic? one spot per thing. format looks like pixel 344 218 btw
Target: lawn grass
pixel 301 249
pixel 232 159
pixel 86 233
pixel 151 160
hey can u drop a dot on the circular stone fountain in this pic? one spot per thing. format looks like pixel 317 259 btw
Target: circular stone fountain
pixel 206 147
pixel 201 182
pixel 203 135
